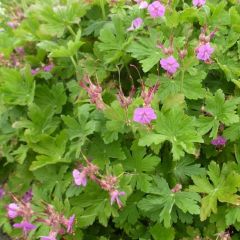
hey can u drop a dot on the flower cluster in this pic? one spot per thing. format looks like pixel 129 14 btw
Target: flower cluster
pixel 80 175
pixel 204 50
pixel 148 94
pixel 169 64
pixel 107 183
pixel 57 222
pixel 156 9
pixel 123 100
pixel 22 209
pixel 94 92
pixel 16 19
pixel 45 68
pixel 15 60
pixel 146 114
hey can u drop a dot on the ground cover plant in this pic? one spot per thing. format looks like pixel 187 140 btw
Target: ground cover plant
pixel 120 119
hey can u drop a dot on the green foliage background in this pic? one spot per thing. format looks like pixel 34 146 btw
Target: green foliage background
pixel 47 120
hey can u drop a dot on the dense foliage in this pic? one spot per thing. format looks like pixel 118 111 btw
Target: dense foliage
pixel 120 119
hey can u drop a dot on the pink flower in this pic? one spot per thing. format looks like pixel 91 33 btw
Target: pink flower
pixel 13 24
pixel 70 223
pixel 142 4
pixel 169 64
pixel 48 68
pixel 144 115
pixel 156 9
pixel 219 141
pixel 25 225
pixel 204 52
pixel 20 51
pixel 80 178
pixel 198 3
pixel 35 71
pixel 136 23
pixel 115 197
pixel 13 210
pixel 27 197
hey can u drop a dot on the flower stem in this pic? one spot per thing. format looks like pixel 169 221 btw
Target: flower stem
pixel 71 30
pixel 74 62
pixel 182 78
pixel 103 9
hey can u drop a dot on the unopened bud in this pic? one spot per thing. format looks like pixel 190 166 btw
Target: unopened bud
pixel 202 37
pixel 182 53
pixel 177 188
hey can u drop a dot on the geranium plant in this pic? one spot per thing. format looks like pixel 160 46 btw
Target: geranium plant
pixel 120 119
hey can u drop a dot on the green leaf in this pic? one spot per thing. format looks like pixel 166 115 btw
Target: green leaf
pixel 222 111
pixel 116 123
pixel 235 19
pixel 233 216
pixel 189 85
pixel 205 124
pixel 219 14
pixel 232 132
pixel 185 169
pixel 113 40
pixel 79 129
pixel 172 18
pixel 229 65
pixel 66 51
pixel 20 154
pixel 96 204
pixel 159 232
pixel 130 213
pixel 56 19
pixel 188 15
pixel 140 164
pixel 41 121
pixel 174 101
pixel 55 180
pixel 219 185
pixel 145 50
pixel 161 204
pixel 102 153
pixel 51 150
pixel 16 88
pixel 47 45
pixel 179 129
pixel 54 96
pixel 151 138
